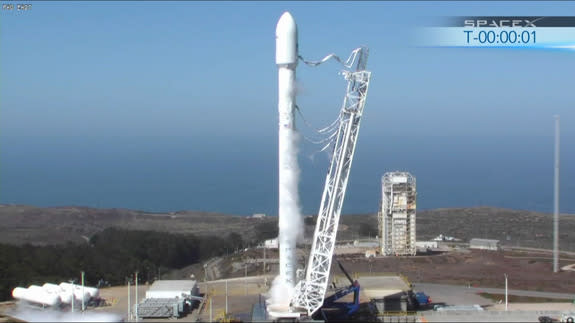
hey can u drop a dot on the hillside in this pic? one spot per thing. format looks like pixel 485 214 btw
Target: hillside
pixel 511 227
pixel 27 224
pixel 22 224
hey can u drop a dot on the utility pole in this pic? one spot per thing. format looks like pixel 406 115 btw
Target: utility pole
pixel 83 306
pixel 136 296
pixel 73 298
pixel 211 300
pixel 556 201
pixel 246 278
pixel 505 292
pixel 265 247
pixel 129 303
pixel 226 297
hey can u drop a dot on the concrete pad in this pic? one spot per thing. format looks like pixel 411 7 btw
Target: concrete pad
pixel 382 286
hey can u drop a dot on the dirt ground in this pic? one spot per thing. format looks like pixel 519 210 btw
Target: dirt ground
pixel 480 268
pixel 242 295
pixel 117 299
pixel 527 271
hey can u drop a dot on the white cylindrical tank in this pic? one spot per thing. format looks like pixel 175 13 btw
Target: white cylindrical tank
pixel 93 291
pixel 77 290
pixel 78 294
pixel 65 285
pixel 36 294
pixel 19 292
pixel 51 288
pixel 66 296
pixel 36 288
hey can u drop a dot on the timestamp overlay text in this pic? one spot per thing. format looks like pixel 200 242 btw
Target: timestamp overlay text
pixel 555 32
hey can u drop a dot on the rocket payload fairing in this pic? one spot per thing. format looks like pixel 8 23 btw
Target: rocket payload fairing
pixel 289 214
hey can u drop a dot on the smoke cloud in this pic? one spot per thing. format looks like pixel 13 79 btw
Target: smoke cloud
pixel 290 219
pixel 28 313
pixel 290 226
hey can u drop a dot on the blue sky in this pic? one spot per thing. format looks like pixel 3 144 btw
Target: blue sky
pixel 172 105
pixel 207 69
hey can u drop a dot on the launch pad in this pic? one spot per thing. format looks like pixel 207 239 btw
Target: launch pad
pixel 281 311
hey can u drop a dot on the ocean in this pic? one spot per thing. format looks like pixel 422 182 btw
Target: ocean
pixel 238 175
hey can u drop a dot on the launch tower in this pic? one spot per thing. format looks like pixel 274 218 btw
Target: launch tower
pixel 397 215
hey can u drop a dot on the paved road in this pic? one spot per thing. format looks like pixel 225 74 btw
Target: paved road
pixel 464 292
pixel 451 294
pixel 487 316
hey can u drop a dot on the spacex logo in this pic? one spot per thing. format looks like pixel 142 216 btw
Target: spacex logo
pixel 500 22
pixel 506 21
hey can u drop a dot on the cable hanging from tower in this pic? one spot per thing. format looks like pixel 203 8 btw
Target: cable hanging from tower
pixel 331 130
pixel 328 131
pixel 348 63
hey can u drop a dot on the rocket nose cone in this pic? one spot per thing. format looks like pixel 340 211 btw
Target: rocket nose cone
pixel 286 41
pixel 286 24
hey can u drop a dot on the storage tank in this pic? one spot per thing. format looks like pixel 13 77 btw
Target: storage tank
pixel 36 289
pixel 51 288
pixel 77 290
pixel 36 294
pixel 19 292
pixel 65 296
pixel 93 291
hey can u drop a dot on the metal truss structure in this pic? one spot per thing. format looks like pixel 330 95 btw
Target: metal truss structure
pixel 309 293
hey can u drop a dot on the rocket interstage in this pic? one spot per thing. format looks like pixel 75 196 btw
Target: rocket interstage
pixel 288 206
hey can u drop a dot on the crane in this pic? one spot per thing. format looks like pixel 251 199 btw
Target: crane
pixel 309 293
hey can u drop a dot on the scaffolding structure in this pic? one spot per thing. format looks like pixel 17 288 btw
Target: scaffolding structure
pixel 397 214
pixel 310 293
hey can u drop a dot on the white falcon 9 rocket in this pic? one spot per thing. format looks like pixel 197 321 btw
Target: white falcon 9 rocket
pixel 288 208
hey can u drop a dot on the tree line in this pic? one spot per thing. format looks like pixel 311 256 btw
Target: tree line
pixel 113 255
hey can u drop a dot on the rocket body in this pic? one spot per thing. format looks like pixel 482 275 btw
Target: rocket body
pixel 289 213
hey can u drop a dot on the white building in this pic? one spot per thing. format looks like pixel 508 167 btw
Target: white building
pixel 271 244
pixel 485 244
pixel 370 253
pixel 426 244
pixel 397 215
pixel 173 289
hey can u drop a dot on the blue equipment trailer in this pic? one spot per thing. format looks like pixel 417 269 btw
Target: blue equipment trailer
pixel 349 308
pixel 422 299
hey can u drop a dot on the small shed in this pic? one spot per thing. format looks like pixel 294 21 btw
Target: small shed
pixel 485 244
pixel 426 244
pixel 271 244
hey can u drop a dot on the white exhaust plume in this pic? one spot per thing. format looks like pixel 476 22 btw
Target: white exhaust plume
pixel 290 219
